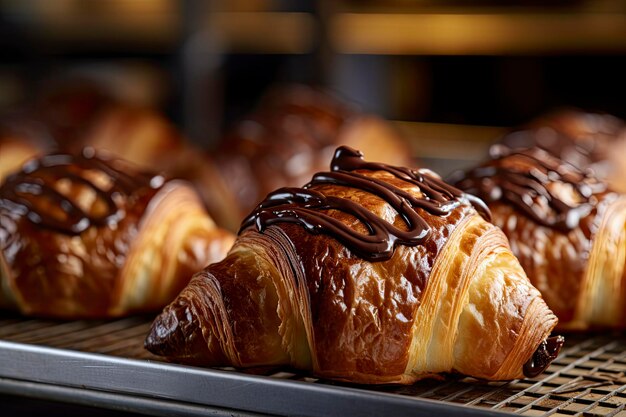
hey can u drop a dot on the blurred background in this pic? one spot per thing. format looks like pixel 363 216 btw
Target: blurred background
pixel 452 75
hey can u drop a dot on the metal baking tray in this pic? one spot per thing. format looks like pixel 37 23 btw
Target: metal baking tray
pixel 103 363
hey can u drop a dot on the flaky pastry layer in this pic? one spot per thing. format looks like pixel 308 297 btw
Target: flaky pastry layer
pixel 581 274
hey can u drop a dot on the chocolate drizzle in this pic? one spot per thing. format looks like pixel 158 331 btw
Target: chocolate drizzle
pixel 306 206
pixel 582 139
pixel 547 351
pixel 34 192
pixel 525 179
pixel 578 153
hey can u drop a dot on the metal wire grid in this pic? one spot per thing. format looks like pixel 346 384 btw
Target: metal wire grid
pixel 588 379
pixel 122 337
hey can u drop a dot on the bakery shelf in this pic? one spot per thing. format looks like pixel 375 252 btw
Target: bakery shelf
pixel 411 28
pixel 492 32
pixel 446 148
pixel 157 26
pixel 103 363
pixel 449 141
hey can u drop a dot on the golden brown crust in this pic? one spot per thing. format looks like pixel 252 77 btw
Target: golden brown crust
pixel 578 266
pixel 594 141
pixel 286 296
pixel 138 261
pixel 366 310
pixel 554 261
pixel 140 136
pixel 600 302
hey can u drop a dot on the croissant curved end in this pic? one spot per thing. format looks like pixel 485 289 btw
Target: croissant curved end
pixel 547 351
pixel 176 328
pixel 167 328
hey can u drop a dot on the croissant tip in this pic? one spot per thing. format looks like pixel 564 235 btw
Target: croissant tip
pixel 167 330
pixel 543 356
pixel 156 341
pixel 150 343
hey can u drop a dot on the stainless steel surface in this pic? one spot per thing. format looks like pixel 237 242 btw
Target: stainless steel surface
pixel 103 363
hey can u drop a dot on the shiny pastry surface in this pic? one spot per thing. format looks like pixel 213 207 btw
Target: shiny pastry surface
pixel 307 207
pixel 371 274
pixel 589 141
pixel 566 226
pixel 85 237
pixel 547 189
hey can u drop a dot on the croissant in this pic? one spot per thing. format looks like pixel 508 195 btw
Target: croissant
pixel 74 113
pixel 370 273
pixel 565 226
pixel 291 136
pixel 85 237
pixel 66 106
pixel 138 135
pixel 592 141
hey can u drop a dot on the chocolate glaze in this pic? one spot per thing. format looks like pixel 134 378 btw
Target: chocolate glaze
pixel 522 177
pixel 306 206
pixel 581 154
pixel 582 139
pixel 35 185
pixel 547 351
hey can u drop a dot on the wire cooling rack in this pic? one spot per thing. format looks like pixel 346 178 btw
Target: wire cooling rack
pixel 588 379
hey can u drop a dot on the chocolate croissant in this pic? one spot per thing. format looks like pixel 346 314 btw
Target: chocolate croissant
pixel 71 114
pixel 370 273
pixel 593 141
pixel 291 136
pixel 566 227
pixel 140 136
pixel 84 237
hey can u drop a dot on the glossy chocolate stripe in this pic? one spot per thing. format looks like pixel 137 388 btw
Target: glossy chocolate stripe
pixel 35 184
pixel 306 206
pixel 519 177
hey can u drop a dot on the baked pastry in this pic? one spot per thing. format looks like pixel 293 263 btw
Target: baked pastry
pixel 592 141
pixel 370 273
pixel 81 114
pixel 84 237
pixel 140 136
pixel 68 107
pixel 566 227
pixel 291 136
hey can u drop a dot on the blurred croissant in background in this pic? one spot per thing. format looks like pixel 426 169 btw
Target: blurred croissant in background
pixel 567 228
pixel 83 237
pixel 588 141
